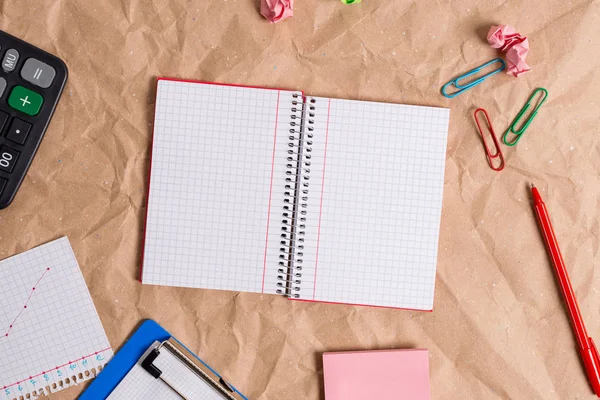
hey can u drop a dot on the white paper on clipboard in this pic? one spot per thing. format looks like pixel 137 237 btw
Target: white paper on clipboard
pixel 140 384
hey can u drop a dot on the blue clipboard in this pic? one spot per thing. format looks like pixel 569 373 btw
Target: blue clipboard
pixel 116 369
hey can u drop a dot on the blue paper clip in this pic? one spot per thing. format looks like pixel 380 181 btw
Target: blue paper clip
pixel 461 88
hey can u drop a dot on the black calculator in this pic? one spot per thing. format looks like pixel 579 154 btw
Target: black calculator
pixel 31 82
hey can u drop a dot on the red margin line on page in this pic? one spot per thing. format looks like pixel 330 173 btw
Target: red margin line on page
pixel 270 191
pixel 321 202
pixel 360 305
pixel 56 368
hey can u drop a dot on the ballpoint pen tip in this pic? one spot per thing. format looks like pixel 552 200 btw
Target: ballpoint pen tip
pixel 532 185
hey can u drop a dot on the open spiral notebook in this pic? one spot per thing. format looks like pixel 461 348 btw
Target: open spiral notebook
pixel 269 191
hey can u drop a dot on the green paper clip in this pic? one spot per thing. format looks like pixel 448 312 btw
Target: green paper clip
pixel 351 1
pixel 518 133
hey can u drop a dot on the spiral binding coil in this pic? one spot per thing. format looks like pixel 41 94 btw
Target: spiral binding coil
pixel 296 197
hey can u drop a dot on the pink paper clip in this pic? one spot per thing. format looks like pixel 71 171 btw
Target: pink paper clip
pixel 498 153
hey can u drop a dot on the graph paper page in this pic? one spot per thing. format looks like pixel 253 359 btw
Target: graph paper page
pixel 216 187
pixel 375 201
pixel 138 384
pixel 49 327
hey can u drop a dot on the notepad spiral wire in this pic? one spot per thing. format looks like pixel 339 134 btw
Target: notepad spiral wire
pixel 296 197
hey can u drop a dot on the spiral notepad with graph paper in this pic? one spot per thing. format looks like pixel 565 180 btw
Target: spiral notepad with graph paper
pixel 50 334
pixel 269 191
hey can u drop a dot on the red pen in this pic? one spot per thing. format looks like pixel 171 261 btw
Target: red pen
pixel 587 348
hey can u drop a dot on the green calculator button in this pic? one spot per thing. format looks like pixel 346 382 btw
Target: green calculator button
pixel 25 100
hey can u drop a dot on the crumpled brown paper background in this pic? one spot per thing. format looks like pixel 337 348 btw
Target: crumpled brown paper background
pixel 499 329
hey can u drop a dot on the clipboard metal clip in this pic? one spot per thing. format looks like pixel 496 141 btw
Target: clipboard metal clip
pixel 456 82
pixel 200 369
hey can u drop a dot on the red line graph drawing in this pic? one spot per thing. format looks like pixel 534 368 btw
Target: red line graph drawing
pixel 25 306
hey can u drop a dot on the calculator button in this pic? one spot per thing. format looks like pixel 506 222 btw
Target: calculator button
pixel 25 100
pixel 8 158
pixel 3 119
pixel 18 131
pixel 2 86
pixel 10 60
pixel 38 73
pixel 2 184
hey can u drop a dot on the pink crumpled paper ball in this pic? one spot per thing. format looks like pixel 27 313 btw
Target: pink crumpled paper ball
pixel 276 10
pixel 515 58
pixel 516 46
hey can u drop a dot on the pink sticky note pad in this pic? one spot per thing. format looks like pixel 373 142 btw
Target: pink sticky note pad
pixel 381 375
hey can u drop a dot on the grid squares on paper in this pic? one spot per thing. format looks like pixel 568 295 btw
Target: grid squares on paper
pixel 59 327
pixel 375 203
pixel 138 384
pixel 216 186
